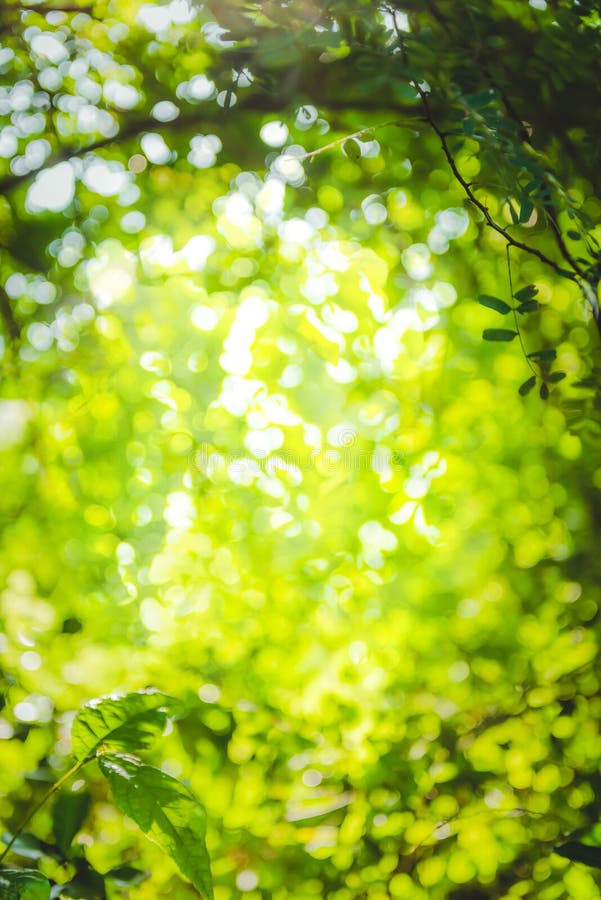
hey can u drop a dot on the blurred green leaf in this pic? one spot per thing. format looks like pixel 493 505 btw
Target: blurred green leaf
pixel 86 884
pixel 127 876
pixel 582 853
pixel 69 812
pixel 23 884
pixel 31 847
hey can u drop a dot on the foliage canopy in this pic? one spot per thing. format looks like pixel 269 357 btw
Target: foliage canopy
pixel 300 423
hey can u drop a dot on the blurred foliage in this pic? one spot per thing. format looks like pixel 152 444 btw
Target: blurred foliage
pixel 257 453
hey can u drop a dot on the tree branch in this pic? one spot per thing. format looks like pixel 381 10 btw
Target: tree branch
pixel 201 117
pixel 534 251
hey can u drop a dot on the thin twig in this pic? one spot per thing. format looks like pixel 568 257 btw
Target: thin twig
pixel 398 123
pixel 53 790
pixel 199 117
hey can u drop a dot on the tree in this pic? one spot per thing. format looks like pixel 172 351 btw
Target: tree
pixel 259 454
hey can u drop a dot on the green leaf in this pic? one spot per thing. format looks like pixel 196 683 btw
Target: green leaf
pixel 554 377
pixel 494 303
pixel 527 386
pixel 528 306
pixel 86 884
pixel 512 212
pixel 23 884
pixel 125 722
pixel 526 293
pixel 574 235
pixel 543 355
pixel 352 149
pixel 498 334
pixel 532 186
pixel 68 815
pixel 577 852
pixel 526 210
pixel 127 876
pixel 544 391
pixel 165 810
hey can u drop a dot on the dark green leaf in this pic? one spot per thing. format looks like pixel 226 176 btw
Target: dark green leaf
pixel 554 377
pixel 527 386
pixel 577 852
pixel 352 149
pixel 494 303
pixel 528 306
pixel 125 722
pixel 165 810
pixel 512 212
pixel 532 186
pixel 23 884
pixel 498 334
pixel 544 391
pixel 574 235
pixel 86 884
pixel 68 815
pixel 543 355
pixel 526 210
pixel 127 876
pixel 526 293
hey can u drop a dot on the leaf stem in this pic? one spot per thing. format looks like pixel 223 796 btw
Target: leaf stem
pixel 515 315
pixel 53 790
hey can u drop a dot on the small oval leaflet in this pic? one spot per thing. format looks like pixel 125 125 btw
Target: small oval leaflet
pixel 352 149
pixel 494 303
pixel 527 386
pixel 528 306
pixel 499 334
pixel 526 293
